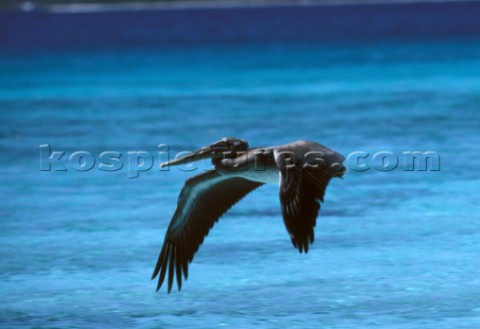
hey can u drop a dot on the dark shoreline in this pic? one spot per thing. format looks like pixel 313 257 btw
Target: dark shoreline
pixel 299 25
pixel 127 5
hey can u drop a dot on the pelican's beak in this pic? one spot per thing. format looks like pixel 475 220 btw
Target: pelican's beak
pixel 208 152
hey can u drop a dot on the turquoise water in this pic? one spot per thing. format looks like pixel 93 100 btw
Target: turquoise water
pixel 395 249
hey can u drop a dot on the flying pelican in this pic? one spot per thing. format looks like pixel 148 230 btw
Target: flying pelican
pixel 302 168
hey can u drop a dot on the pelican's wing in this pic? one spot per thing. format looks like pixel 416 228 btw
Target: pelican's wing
pixel 301 190
pixel 203 200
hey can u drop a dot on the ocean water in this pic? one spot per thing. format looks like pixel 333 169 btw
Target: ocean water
pixel 393 249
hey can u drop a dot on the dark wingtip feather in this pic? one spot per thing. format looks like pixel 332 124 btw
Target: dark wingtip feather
pixel 293 242
pixel 163 266
pixel 185 269
pixel 159 262
pixel 171 268
pixel 155 272
pixel 179 268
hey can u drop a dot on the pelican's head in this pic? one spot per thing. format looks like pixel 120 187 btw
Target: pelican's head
pixel 226 147
pixel 228 144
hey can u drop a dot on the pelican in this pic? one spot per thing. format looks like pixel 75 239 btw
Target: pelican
pixel 302 169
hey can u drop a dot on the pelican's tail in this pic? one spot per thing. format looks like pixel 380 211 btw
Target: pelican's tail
pixel 341 171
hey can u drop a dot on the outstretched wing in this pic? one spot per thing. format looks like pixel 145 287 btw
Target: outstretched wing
pixel 301 190
pixel 202 201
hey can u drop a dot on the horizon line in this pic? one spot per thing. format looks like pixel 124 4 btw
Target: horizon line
pixel 70 8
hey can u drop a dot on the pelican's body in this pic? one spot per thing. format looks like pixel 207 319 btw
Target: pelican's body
pixel 302 169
